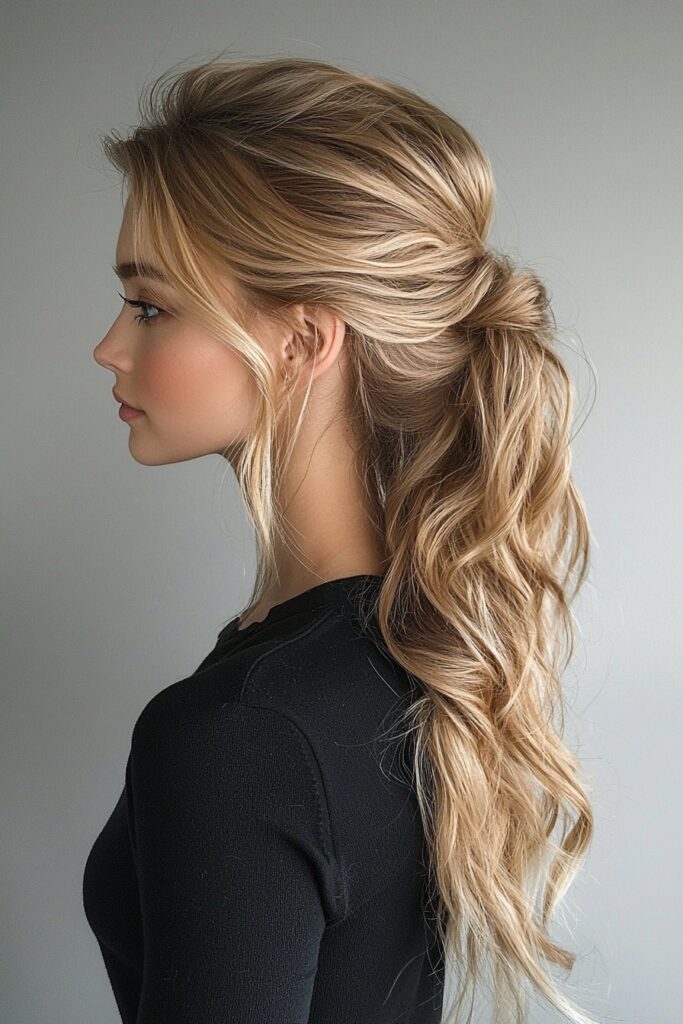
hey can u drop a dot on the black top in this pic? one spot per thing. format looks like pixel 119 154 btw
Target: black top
pixel 265 862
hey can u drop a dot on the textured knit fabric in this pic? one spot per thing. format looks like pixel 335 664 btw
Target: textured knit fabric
pixel 265 862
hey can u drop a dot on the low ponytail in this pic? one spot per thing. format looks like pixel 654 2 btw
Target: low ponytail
pixel 485 534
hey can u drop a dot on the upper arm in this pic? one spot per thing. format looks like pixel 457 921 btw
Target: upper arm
pixel 236 877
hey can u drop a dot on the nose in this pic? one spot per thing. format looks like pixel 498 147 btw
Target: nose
pixel 97 356
pixel 113 351
pixel 100 348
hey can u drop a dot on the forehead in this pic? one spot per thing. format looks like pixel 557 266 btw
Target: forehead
pixel 125 266
pixel 148 267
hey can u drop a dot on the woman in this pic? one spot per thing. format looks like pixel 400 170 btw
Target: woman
pixel 357 787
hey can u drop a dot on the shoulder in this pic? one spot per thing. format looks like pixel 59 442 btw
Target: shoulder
pixel 296 727
pixel 309 670
pixel 329 666
pixel 227 782
pixel 313 712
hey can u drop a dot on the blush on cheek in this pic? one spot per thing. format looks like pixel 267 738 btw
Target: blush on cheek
pixel 195 378
pixel 172 384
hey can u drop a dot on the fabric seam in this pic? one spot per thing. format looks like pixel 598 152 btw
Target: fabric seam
pixel 308 753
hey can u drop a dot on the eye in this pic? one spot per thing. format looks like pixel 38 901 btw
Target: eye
pixel 144 317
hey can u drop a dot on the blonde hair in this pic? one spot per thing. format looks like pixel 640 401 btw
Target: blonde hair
pixel 313 183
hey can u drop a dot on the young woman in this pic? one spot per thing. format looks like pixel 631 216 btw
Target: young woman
pixel 357 789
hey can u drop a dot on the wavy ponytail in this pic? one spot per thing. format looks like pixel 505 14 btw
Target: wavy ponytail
pixel 480 525
pixel 312 183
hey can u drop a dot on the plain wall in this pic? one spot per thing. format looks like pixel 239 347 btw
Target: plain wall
pixel 116 577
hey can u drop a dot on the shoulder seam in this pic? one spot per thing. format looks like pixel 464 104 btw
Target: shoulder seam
pixel 248 680
pixel 308 752
pixel 311 761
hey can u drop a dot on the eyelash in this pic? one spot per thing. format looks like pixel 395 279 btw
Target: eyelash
pixel 144 318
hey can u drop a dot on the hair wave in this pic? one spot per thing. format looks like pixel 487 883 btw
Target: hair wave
pixel 313 183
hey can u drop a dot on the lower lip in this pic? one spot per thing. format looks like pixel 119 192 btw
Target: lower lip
pixel 127 413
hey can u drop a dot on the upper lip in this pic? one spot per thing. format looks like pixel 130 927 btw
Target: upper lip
pixel 118 398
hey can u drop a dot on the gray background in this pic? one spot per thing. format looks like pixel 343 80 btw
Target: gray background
pixel 117 577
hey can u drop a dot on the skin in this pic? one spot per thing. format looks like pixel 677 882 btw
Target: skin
pixel 197 397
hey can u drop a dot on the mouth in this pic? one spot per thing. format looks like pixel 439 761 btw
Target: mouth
pixel 124 404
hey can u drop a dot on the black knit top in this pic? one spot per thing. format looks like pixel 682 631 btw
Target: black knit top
pixel 265 862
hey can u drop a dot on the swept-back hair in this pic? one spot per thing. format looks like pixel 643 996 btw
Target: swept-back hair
pixel 308 182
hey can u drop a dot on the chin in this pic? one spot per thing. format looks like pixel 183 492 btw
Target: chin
pixel 145 457
pixel 148 461
pixel 150 458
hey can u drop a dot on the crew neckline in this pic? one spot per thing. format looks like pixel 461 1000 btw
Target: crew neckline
pixel 332 594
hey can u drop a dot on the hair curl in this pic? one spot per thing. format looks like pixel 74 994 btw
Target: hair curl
pixel 312 183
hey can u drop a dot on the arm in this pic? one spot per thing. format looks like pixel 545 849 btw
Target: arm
pixel 236 879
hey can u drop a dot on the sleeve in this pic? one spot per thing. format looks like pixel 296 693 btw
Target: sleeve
pixel 236 876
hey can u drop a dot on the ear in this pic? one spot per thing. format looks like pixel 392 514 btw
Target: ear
pixel 315 344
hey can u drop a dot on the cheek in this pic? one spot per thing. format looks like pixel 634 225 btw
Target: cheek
pixel 197 384
pixel 170 378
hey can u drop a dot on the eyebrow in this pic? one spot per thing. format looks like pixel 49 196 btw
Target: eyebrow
pixel 126 271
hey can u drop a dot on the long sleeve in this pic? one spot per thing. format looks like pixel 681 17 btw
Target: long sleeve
pixel 236 875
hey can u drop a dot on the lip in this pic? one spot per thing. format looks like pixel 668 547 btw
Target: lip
pixel 123 402
pixel 127 413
